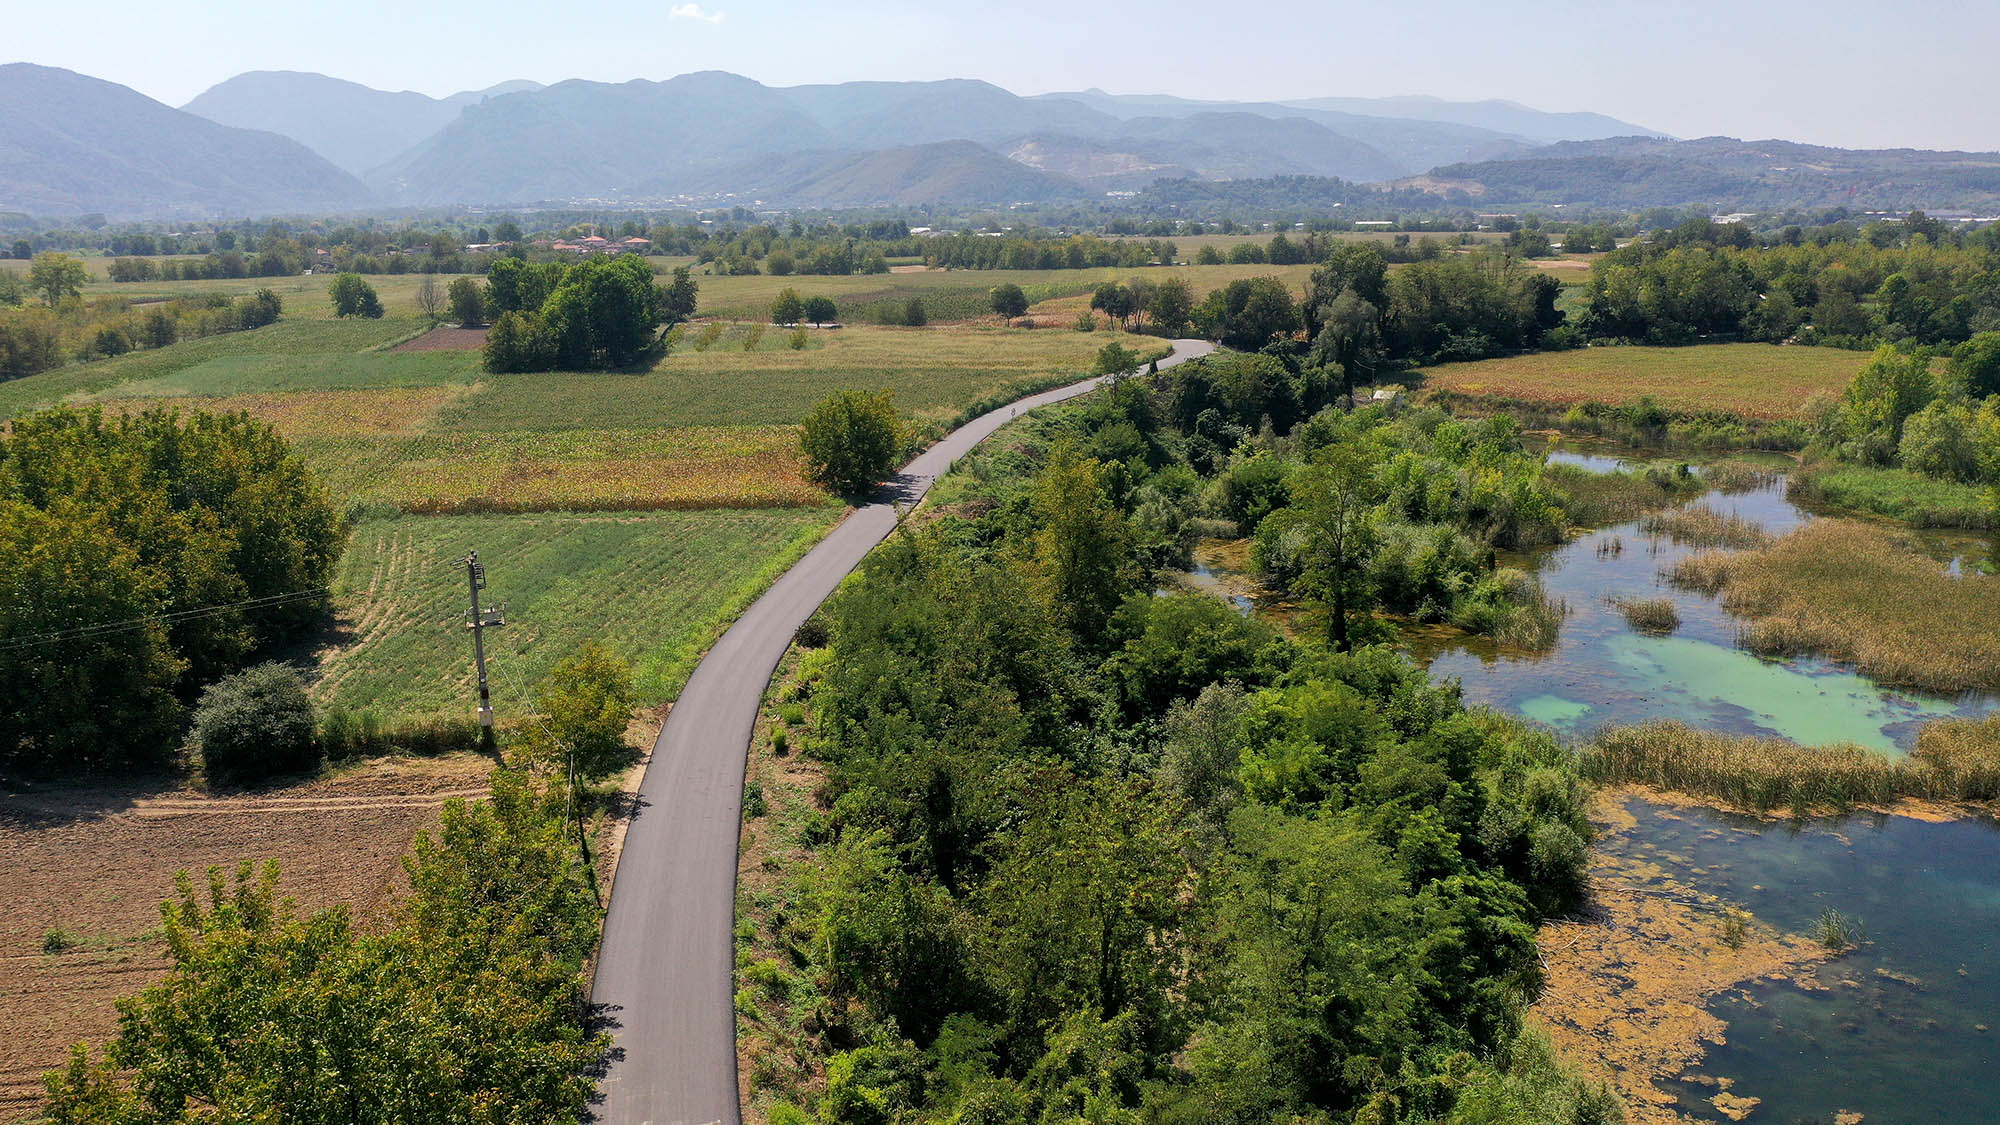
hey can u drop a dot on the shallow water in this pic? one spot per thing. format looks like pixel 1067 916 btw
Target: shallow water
pixel 1905 1029
pixel 1603 672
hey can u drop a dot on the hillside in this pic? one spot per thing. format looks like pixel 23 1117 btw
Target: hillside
pixel 71 144
pixel 354 126
pixel 1728 174
pixel 947 172
pixel 1511 118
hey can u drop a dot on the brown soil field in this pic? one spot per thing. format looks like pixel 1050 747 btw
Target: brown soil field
pixel 95 861
pixel 445 338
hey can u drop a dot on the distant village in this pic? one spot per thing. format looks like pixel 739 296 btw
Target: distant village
pixel 595 244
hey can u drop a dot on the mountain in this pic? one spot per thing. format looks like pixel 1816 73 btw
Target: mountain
pixel 596 140
pixel 877 114
pixel 1727 174
pixel 1210 146
pixel 951 173
pixel 354 126
pixel 71 144
pixel 1511 118
pixel 1409 144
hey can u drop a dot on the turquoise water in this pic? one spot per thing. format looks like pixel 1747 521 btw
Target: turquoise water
pixel 1908 1028
pixel 1602 672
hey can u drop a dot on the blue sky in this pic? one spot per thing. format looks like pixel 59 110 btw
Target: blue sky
pixel 1847 72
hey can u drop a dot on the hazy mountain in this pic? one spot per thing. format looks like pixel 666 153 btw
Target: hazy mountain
pixel 1511 118
pixel 877 114
pixel 1215 146
pixel 71 144
pixel 354 126
pixel 595 140
pixel 1410 145
pixel 1727 174
pixel 952 173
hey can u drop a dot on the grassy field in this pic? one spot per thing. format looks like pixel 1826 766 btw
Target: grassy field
pixel 655 588
pixel 1912 498
pixel 1761 381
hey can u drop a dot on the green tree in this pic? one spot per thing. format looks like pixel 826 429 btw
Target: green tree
pixel 1082 545
pixel 1887 391
pixel 852 440
pixel 254 725
pixel 605 314
pixel 1116 359
pixel 914 315
pixel 678 304
pixel 789 308
pixel 468 302
pixel 56 276
pixel 584 709
pixel 821 311
pixel 22 250
pixel 1113 300
pixel 1975 366
pixel 1009 301
pixel 1335 498
pixel 353 296
pixel 1171 307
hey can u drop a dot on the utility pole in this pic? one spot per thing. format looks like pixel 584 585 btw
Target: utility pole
pixel 480 620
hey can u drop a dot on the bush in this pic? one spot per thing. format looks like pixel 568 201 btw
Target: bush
pixel 468 302
pixel 255 724
pixel 851 441
pixel 353 296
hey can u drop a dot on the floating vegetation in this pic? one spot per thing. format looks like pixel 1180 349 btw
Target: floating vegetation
pixel 1859 594
pixel 1837 931
pixel 1954 759
pixel 1703 526
pixel 1651 615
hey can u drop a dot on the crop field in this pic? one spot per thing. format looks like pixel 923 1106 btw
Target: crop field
pixel 87 864
pixel 1762 381
pixel 655 588
pixel 960 294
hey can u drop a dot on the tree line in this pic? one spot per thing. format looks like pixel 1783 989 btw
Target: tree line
pixel 143 557
pixel 598 314
pixel 46 323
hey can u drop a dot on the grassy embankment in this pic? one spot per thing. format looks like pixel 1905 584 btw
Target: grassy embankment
pixel 1897 494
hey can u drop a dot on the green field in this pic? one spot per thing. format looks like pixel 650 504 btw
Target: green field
pixel 1762 381
pixel 654 588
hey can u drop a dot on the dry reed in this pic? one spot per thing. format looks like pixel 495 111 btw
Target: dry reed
pixel 1703 526
pixel 1857 594
pixel 1651 615
pixel 1954 760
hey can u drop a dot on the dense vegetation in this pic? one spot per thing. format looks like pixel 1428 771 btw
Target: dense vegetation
pixel 1095 853
pixel 467 1007
pixel 142 557
pixel 62 327
pixel 597 314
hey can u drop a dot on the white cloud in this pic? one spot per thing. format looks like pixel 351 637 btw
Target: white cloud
pixel 694 12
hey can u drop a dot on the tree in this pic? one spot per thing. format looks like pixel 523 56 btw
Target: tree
pixel 255 724
pixel 914 315
pixel 1082 547
pixel 679 303
pixel 353 296
pixel 1347 337
pixel 516 343
pixel 1171 306
pixel 22 249
pixel 605 314
pixel 1009 301
pixel 430 302
pixel 1335 498
pixel 851 441
pixel 780 263
pixel 507 230
pixel 468 302
pixel 1116 359
pixel 586 706
pixel 789 308
pixel 56 276
pixel 821 311
pixel 1113 300
pixel 1975 366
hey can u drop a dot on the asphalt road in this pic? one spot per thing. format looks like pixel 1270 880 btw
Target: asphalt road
pixel 665 975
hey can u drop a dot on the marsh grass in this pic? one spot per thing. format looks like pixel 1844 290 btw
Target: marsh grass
pixel 1703 526
pixel 1898 494
pixel 1738 476
pixel 1954 760
pixel 1535 619
pixel 1597 499
pixel 1837 931
pixel 1859 594
pixel 1651 615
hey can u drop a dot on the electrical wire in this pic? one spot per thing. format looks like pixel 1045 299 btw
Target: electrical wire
pixel 106 628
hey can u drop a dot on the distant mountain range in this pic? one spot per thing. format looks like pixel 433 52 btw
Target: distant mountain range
pixel 70 144
pixel 285 141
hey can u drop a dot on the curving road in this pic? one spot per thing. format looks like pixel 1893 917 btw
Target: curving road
pixel 665 975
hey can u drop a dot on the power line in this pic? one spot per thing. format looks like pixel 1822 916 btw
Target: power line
pixel 106 628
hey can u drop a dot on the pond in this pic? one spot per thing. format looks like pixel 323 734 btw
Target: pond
pixel 1603 672
pixel 1902 1028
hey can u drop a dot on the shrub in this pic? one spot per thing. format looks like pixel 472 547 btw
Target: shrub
pixel 851 440
pixel 468 302
pixel 255 724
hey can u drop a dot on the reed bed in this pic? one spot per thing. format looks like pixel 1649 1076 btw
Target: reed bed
pixel 1954 760
pixel 1858 594
pixel 1651 615
pixel 1703 526
pixel 1738 476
